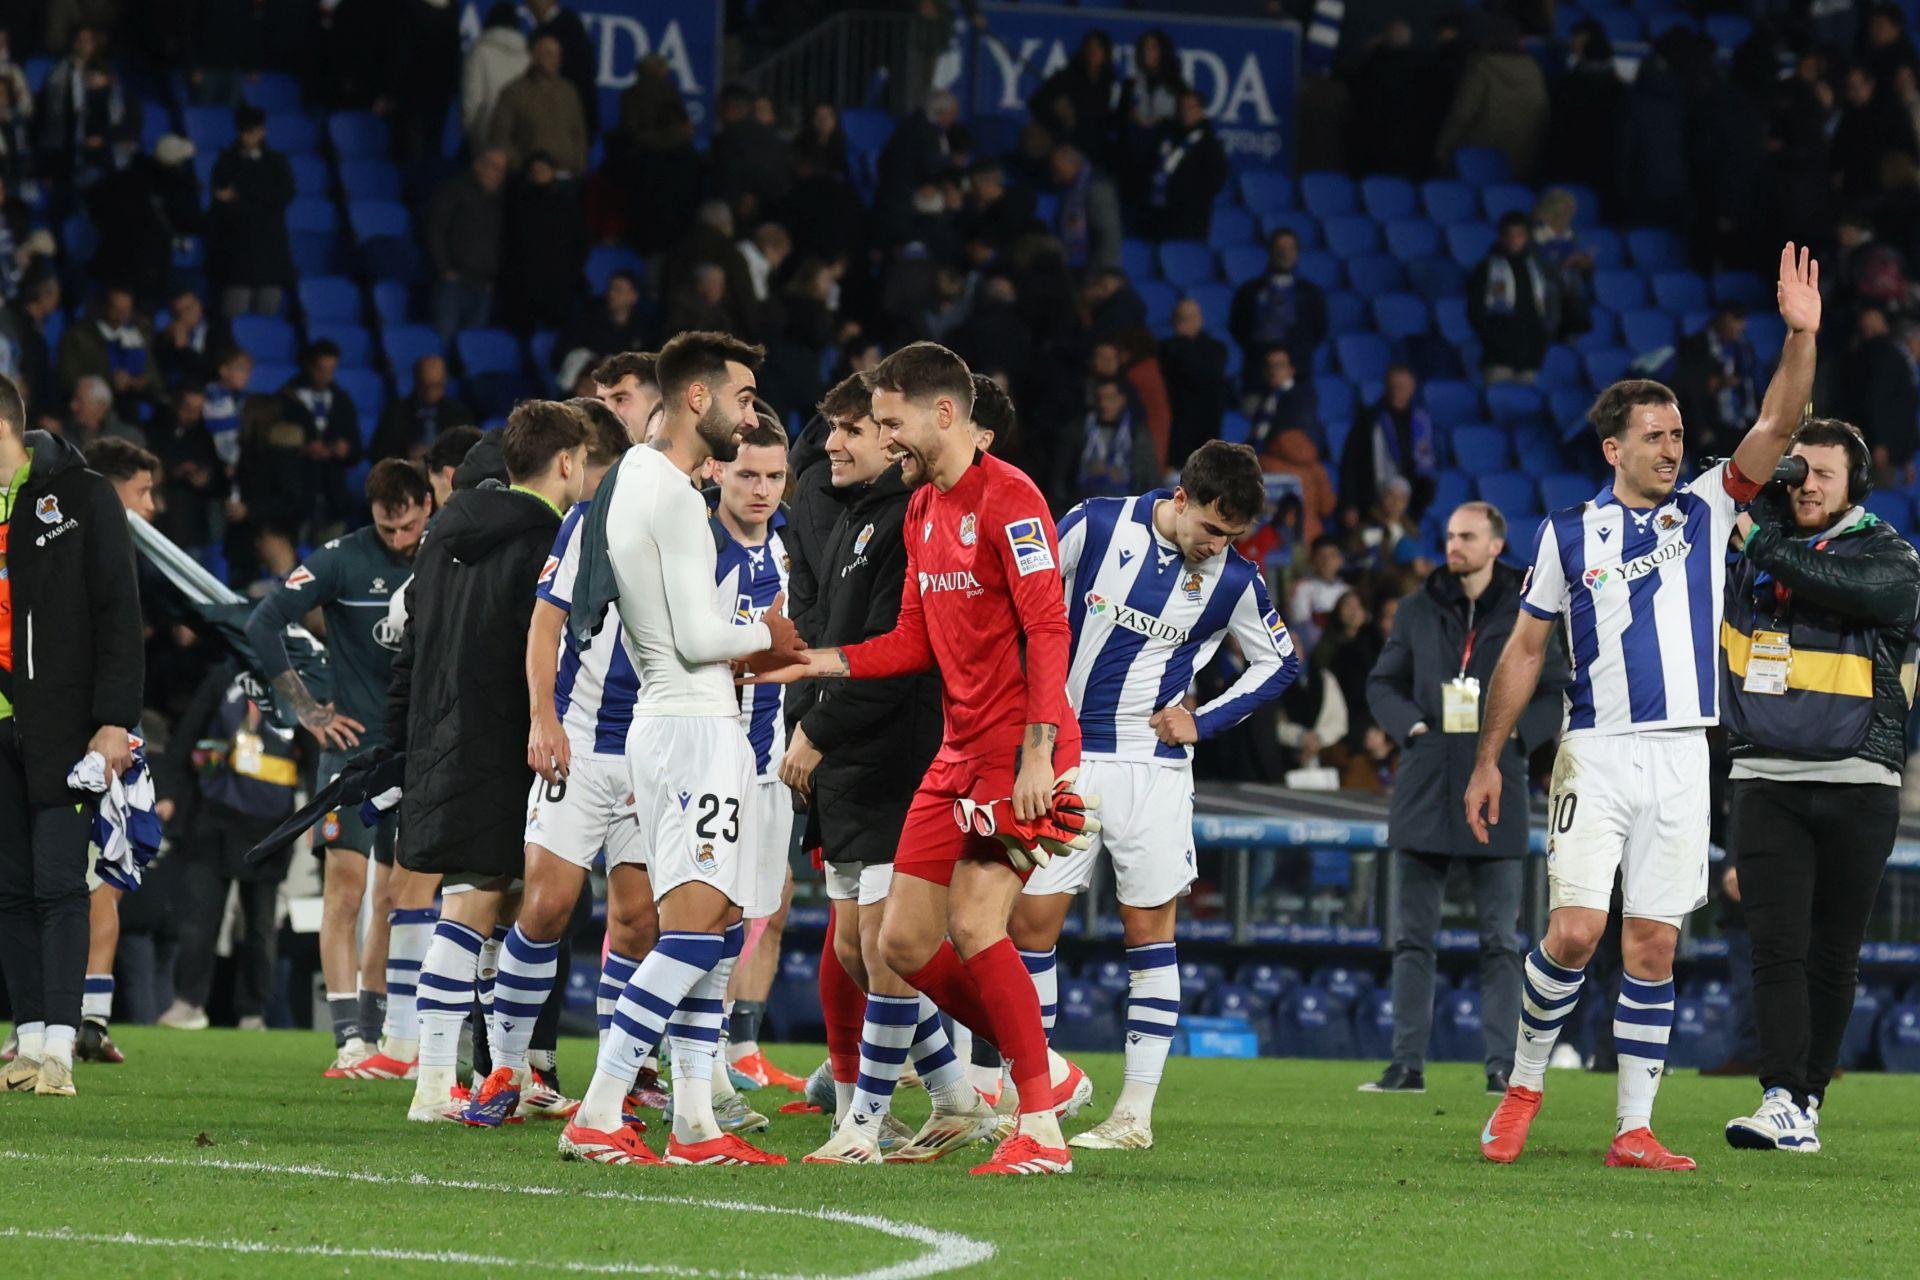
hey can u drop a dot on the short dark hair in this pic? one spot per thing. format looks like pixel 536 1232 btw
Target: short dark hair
pixel 767 433
pixel 1833 431
pixel 607 438
pixel 924 370
pixel 318 349
pixel 641 366
pixel 118 459
pixel 1227 477
pixel 1280 232
pixel 13 406
pixel 1327 540
pixel 1495 521
pixel 450 447
pixel 993 409
pixel 1615 406
pixel 1514 218
pixel 702 355
pixel 850 400
pixel 537 431
pixel 394 483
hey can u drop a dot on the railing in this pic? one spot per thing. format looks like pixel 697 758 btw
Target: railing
pixel 854 59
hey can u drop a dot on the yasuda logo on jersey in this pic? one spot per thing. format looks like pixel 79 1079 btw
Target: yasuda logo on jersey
pixel 1135 620
pixel 1639 567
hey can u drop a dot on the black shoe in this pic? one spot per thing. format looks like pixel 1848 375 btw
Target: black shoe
pixel 1497 1083
pixel 95 1045
pixel 1732 1068
pixel 1397 1079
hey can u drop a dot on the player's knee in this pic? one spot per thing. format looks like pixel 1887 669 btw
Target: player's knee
pixel 971 937
pixel 1571 943
pixel 904 954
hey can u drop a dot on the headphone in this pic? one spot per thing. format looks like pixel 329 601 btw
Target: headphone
pixel 1860 473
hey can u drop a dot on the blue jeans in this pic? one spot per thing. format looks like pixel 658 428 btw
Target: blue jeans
pixel 461 304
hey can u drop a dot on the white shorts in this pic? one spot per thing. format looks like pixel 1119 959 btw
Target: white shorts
pixel 590 810
pixel 1146 827
pixel 773 837
pixel 1636 804
pixel 696 804
pixel 866 883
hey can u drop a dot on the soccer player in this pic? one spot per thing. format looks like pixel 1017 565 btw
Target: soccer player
pixel 690 766
pixel 351 580
pixel 1153 589
pixel 1637 573
pixel 982 601
pixel 629 384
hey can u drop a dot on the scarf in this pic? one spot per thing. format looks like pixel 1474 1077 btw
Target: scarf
pixel 126 348
pixel 1391 460
pixel 1501 298
pixel 1172 152
pixel 318 402
pixel 1071 224
pixel 1106 458
pixel 1736 399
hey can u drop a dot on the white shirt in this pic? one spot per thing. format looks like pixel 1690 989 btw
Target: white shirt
pixel 593 690
pixel 664 562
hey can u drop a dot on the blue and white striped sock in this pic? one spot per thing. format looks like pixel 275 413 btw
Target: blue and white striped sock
pixel 409 932
pixel 943 1074
pixel 697 1028
pixel 657 987
pixel 1548 993
pixel 446 995
pixel 615 973
pixel 1153 1012
pixel 885 1036
pixel 1045 972
pixel 1642 1024
pixel 96 998
pixel 525 980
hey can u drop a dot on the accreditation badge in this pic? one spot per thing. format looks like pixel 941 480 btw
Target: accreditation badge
pixel 1460 705
pixel 1768 662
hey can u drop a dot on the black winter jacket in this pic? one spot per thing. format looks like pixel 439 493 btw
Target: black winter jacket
pixel 79 658
pixel 458 704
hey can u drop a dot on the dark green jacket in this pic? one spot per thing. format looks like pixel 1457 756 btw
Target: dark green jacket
pixel 1848 601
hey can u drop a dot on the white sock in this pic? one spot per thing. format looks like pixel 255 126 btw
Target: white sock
pixel 1044 969
pixel 696 1030
pixel 96 998
pixel 524 982
pixel 640 1017
pixel 1548 994
pixel 940 1070
pixel 615 973
pixel 484 977
pixel 1153 1011
pixel 409 933
pixel 444 999
pixel 59 1044
pixel 33 1039
pixel 842 1101
pixel 1642 1023
pixel 885 1036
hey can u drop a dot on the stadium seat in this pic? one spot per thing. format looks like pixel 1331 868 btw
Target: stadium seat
pixel 1450 488
pixel 1606 367
pixel 1338 399
pixel 315 253
pixel 793 1005
pixel 273 91
pixel 1270 981
pixel 1656 249
pixel 1215 300
pixel 1349 235
pixel 1871 1015
pixel 1185 262
pixel 1110 975
pixel 1469 242
pixel 867 129
pixel 1645 329
pixel 1410 239
pixel 1623 26
pixel 1086 1021
pixel 1620 289
pixel 487 351
pixel 1234 426
pixel 1450 319
pixel 1231 226
pixel 1231 1000
pixel 1447 201
pixel 1310 1024
pixel 1502 198
pixel 1437 278
pixel 372 218
pixel 390 258
pixel 1241 263
pixel 358 133
pixel 210 129
pixel 1387 197
pixel 1479 449
pixel 493 395
pixel 1137 259
pixel 1401 315
pixel 1373 1024
pixel 1197 978
pixel 1344 983
pixel 313 213
pixel 82 241
pixel 1680 291
pixel 368 391
pixel 1364 357
pixel 1451 403
pixel 1299 221
pixel 269 376
pixel 370 178
pixel 404 344
pixel 1481 166
pixel 1374 273
pixel 1346 312
pixel 1564 489
pixel 310 176
pixel 293 133
pixel 330 298
pixel 1159 297
pixel 1325 193
pixel 1264 191
pixel 1561 368
pixel 1742 289
pixel 1507 490
pixel 1893 507
pixel 1457 1031
pixel 1697 1039
pixel 354 340
pixel 1323 269
pixel 267 339
pixel 391 302
pixel 1728 30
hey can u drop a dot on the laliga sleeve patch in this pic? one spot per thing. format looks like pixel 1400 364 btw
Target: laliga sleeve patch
pixel 547 570
pixel 299 578
pixel 1028 538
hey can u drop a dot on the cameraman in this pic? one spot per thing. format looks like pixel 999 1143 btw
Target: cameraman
pixel 1818 641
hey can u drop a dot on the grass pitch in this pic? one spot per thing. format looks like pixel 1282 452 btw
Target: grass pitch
pixel 224 1154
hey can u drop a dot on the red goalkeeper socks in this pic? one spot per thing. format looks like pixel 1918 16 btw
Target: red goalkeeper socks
pixel 948 982
pixel 1014 1007
pixel 843 1005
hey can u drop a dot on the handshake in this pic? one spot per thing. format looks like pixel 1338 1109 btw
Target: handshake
pixel 1068 825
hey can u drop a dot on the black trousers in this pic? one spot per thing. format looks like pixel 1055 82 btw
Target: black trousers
pixel 215 858
pixel 43 895
pixel 1810 857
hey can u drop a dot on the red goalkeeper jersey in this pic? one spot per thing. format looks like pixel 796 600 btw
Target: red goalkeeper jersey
pixel 982 602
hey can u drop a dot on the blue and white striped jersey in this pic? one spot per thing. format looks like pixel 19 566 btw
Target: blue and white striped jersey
pixel 1641 595
pixel 593 692
pixel 747 579
pixel 1144 621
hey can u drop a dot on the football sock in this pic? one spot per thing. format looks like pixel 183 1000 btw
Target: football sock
pixel 373 1011
pixel 1548 994
pixel 58 1046
pixel 842 1004
pixel 640 1017
pixel 1642 1023
pixel 616 971
pixel 33 1039
pixel 444 1000
pixel 1153 1010
pixel 952 984
pixel 96 998
pixel 343 1009
pixel 696 1028
pixel 933 1057
pixel 743 1028
pixel 984 1063
pixel 409 931
pixel 885 1037
pixel 520 988
pixel 1008 999
pixel 546 1026
pixel 1045 972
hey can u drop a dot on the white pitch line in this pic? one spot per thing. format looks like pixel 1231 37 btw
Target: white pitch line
pixel 943 1251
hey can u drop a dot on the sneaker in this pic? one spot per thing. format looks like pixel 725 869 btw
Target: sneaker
pixel 647 1092
pixel 21 1075
pixel 55 1079
pixel 725 1149
pixel 1639 1149
pixel 1398 1079
pixel 541 1100
pixel 1497 1083
pixel 1022 1154
pixel 736 1116
pixel 622 1146
pixel 1118 1132
pixel 819 1089
pixel 1071 1095
pixel 1506 1133
pixel 498 1098
pixel 1780 1124
pixel 801 1108
pixel 182 1016
pixel 1006 1112
pixel 451 1110
pixel 849 1144
pixel 95 1045
pixel 252 1022
pixel 352 1054
pixel 894 1134
pixel 764 1074
pixel 947 1131
pixel 378 1066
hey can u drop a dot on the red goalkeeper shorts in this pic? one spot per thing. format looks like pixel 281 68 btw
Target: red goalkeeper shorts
pixel 931 841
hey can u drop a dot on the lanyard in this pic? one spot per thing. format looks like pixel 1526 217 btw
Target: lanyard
pixel 1473 632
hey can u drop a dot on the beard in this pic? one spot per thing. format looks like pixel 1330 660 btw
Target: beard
pixel 717 431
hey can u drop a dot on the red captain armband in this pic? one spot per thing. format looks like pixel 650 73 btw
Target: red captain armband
pixel 1739 488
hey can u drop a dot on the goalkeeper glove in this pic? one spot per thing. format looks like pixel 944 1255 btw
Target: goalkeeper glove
pixel 1067 827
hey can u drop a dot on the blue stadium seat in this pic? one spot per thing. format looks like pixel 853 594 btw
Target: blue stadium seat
pixel 1606 367
pixel 1231 226
pixel 368 391
pixel 1680 291
pixel 82 240
pixel 1646 329
pixel 1346 312
pixel 1766 331
pixel 867 129
pixel 1401 315
pixel 1450 488
pixel 1338 399
pixel 1363 357
pixel 493 395
pixel 1270 981
pixel 1137 259
pixel 1606 246
pixel 1185 262
pixel 1159 297
pixel 1451 403
pixel 1656 249
pixel 1344 983
pixel 1231 1000
pixel 358 133
pixel 1872 1013
pixel 1323 268
pixel 313 213
pixel 1234 425
pixel 1481 166
pixel 1309 1024
pixel 1561 368
pixel 1697 1039
pixel 1891 506
pixel 1351 234
pixel 1264 191
pixel 330 298
pixel 1507 490
pixel 1299 221
pixel 1503 198
pixel 1373 1025
pixel 273 91
pixel 1447 201
pixel 390 258
pixel 1197 978
pixel 269 376
pixel 487 351
pixel 1450 318
pixel 315 253
pixel 293 133
pixel 1661 21
pixel 371 218
pixel 1240 263
pixel 391 302
pixel 310 176
pixel 1510 404
pixel 267 339
pixel 1604 333
pixel 1087 1020
pixel 1620 289
pixel 210 129
pixel 1215 300
pixel 1457 1031
pixel 1374 273
pixel 1479 449
pixel 1325 193
pixel 1437 278
pixel 1741 288
pixel 1564 489
pixel 540 347
pixel 793 1006
pixel 1469 242
pixel 1410 239
pixel 370 178
pixel 1387 198
pixel 405 343
pixel 1623 26
pixel 1728 30
pixel 354 340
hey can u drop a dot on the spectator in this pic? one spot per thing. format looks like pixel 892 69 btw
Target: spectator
pixel 197 484
pixel 1150 95
pixel 13 78
pixel 1880 392
pixel 16 131
pixel 918 152
pixel 465 223
pixel 1088 222
pixel 614 326
pixel 330 422
pixel 994 213
pixel 1110 454
pixel 1388 537
pixel 226 397
pixel 1714 375
pixel 497 59
pixel 184 350
pixel 764 252
pixel 90 416
pixel 1584 124
pixel 1185 172
pixel 701 302
pixel 748 158
pixel 24 350
pixel 1147 384
pixel 995 334
pixel 113 344
pixel 90 123
pixel 1399 100
pixel 579 60
pixel 1655 169
pixel 1346 651
pixel 1293 453
pixel 710 239
pixel 1513 305
pixel 1501 103
pixel 444 457
pixel 822 142
pixel 1278 309
pixel 1395 440
pixel 1194 364
pixel 541 112
pixel 1112 305
pixel 1871 124
pixel 1310 606
pixel 652 152
pixel 1566 259
pixel 545 249
pixel 1287 404
pixel 411 423
pixel 1077 102
pixel 1889 49
pixel 1313 717
pixel 247 251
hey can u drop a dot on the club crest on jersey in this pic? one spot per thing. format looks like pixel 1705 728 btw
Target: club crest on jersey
pixel 299 578
pixel 1669 520
pixel 1191 587
pixel 1282 638
pixel 48 509
pixel 1028 538
pixel 969 530
pixel 704 859
pixel 861 540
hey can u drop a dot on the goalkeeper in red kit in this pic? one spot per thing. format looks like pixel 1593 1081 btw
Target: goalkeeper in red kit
pixel 983 603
